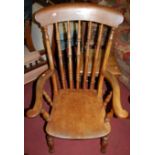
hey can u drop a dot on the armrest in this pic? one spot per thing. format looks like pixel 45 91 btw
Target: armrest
pixel 117 106
pixel 37 109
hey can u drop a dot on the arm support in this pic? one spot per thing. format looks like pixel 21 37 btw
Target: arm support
pixel 117 106
pixel 37 109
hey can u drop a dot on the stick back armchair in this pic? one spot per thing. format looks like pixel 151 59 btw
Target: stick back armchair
pixel 78 109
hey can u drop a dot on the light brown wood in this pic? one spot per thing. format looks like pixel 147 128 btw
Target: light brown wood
pixel 110 114
pixel 116 102
pixel 36 110
pixel 50 143
pixel 81 11
pixel 104 144
pixel 78 113
pixel 74 112
pixel 104 64
pixel 112 65
pixel 45 114
pixel 100 34
pixel 61 65
pixel 50 59
pixel 48 98
pixel 107 99
pixel 78 56
pixel 87 55
pixel 70 65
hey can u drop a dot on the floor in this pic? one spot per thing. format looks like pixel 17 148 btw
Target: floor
pixel 35 143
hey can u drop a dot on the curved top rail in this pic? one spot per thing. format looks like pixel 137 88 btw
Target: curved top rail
pixel 78 11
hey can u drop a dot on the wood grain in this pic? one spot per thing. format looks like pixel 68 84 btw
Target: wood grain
pixel 50 59
pixel 38 106
pixel 104 63
pixel 78 55
pixel 80 11
pixel 100 34
pixel 78 113
pixel 61 65
pixel 116 100
pixel 70 64
pixel 47 97
pixel 86 62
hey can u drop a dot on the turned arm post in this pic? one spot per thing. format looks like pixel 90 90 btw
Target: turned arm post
pixel 38 107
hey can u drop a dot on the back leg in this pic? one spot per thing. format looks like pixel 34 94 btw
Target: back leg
pixel 50 143
pixel 104 143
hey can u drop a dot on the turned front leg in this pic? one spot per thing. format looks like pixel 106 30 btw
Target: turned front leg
pixel 104 143
pixel 50 143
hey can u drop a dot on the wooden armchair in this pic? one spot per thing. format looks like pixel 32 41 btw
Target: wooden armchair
pixel 78 109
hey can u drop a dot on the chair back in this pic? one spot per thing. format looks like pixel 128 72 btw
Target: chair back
pixel 73 63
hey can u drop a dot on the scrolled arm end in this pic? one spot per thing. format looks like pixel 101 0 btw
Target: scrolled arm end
pixel 122 113
pixel 31 113
pixel 37 109
pixel 117 106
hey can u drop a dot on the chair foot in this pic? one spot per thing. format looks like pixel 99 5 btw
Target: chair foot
pixel 50 143
pixel 104 143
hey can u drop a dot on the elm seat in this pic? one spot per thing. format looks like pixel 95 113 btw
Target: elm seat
pixel 77 114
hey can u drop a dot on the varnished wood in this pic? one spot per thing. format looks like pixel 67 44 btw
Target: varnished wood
pixel 50 143
pixel 50 58
pixel 70 64
pixel 48 98
pixel 78 113
pixel 104 144
pixel 100 34
pixel 110 114
pixel 87 55
pixel 80 11
pixel 78 56
pixel 111 67
pixel 61 65
pixel 107 99
pixel 116 102
pixel 45 114
pixel 36 110
pixel 104 63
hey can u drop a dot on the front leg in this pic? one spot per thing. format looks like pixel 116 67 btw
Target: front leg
pixel 104 143
pixel 50 143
